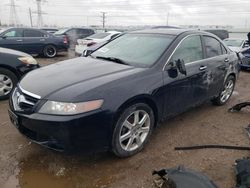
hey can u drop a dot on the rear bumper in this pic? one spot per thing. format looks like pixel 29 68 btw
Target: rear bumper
pixel 79 49
pixel 86 132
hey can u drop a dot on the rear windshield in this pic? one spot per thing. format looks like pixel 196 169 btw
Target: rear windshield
pixel 141 50
pixel 99 35
pixel 233 42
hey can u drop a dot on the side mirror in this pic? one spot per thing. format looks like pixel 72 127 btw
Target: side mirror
pixel 246 44
pixel 181 66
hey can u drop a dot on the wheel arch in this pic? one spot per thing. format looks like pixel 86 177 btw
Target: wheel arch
pixel 147 99
pixel 9 68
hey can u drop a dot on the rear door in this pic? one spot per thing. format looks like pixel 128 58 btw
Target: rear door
pixel 217 64
pixel 33 41
pixel 13 39
pixel 185 91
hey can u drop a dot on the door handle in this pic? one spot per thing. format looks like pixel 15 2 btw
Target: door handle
pixel 226 60
pixel 19 40
pixel 203 68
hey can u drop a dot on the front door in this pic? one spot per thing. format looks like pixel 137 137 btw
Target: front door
pixel 12 39
pixel 184 91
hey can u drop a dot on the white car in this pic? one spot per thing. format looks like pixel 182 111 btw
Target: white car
pixel 236 45
pixel 83 44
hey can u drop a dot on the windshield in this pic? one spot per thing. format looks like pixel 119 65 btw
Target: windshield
pixel 99 35
pixel 233 42
pixel 61 31
pixel 136 49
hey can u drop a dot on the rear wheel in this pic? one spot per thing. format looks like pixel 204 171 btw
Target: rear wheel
pixel 50 51
pixel 132 130
pixel 226 93
pixel 8 81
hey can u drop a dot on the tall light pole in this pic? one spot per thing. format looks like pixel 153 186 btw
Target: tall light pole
pixel 103 19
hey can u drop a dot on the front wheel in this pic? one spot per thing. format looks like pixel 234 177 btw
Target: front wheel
pixel 8 81
pixel 132 130
pixel 226 93
pixel 50 51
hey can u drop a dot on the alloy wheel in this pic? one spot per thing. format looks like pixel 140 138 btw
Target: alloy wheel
pixel 134 130
pixel 50 51
pixel 6 85
pixel 227 92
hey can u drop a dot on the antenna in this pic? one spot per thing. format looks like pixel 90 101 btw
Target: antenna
pixel 13 15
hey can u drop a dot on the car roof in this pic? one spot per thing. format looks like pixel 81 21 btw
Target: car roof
pixel 170 31
pixel 113 32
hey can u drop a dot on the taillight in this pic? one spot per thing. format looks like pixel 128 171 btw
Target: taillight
pixel 65 39
pixel 91 43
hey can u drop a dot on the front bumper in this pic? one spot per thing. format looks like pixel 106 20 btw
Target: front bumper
pixel 86 132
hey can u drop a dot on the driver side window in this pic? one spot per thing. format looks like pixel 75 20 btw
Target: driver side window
pixel 189 50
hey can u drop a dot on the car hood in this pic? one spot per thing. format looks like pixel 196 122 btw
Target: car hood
pixel 92 72
pixel 13 52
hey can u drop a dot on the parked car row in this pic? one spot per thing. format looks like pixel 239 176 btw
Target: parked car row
pixel 113 99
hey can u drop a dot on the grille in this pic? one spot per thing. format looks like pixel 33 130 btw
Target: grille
pixel 23 100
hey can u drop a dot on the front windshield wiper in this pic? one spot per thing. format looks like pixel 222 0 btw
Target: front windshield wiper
pixel 114 59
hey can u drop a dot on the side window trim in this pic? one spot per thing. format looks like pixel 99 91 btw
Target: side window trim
pixel 203 53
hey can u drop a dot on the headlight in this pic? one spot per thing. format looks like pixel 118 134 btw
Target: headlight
pixel 28 60
pixel 61 108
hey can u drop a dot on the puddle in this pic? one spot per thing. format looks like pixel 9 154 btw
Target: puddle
pixel 58 171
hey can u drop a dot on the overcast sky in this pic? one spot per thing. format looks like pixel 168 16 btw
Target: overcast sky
pixel 133 12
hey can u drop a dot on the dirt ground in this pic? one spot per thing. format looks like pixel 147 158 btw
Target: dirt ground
pixel 27 165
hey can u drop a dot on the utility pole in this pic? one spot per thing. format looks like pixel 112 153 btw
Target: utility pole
pixel 103 19
pixel 167 18
pixel 39 13
pixel 13 15
pixel 31 22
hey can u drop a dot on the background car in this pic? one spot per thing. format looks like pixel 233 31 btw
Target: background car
pixel 33 41
pixel 236 44
pixel 113 99
pixel 83 44
pixel 245 59
pixel 92 48
pixel 221 33
pixel 13 65
pixel 50 30
pixel 73 34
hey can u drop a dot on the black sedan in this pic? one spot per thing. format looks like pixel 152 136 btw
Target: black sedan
pixel 33 41
pixel 13 65
pixel 113 99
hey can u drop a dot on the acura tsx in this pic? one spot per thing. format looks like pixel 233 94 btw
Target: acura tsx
pixel 113 99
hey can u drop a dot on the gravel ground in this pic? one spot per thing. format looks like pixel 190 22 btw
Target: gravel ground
pixel 27 165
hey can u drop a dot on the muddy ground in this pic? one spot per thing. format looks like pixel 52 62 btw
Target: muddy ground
pixel 27 165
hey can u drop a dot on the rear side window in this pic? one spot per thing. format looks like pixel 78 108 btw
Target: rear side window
pixel 14 33
pixel 189 50
pixel 212 47
pixel 32 33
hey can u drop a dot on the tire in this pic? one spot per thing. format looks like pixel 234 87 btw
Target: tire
pixel 130 136
pixel 8 81
pixel 50 51
pixel 228 88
